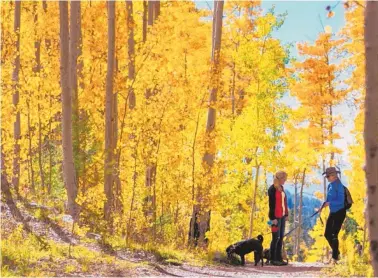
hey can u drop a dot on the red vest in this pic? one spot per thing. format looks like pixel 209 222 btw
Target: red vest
pixel 281 204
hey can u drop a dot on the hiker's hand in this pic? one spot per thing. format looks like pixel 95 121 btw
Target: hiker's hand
pixel 275 222
pixel 325 204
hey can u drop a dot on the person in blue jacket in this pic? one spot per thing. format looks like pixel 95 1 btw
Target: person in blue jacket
pixel 335 201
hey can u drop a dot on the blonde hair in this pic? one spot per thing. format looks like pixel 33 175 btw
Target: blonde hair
pixel 280 175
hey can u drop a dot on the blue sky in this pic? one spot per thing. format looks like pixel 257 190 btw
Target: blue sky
pixel 303 23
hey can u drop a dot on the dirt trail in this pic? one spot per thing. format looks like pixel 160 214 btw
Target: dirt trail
pixel 291 270
pixel 140 263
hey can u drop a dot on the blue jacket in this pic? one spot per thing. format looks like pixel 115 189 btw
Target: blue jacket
pixel 335 196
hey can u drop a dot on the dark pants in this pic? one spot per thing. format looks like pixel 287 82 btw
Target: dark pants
pixel 277 238
pixel 334 222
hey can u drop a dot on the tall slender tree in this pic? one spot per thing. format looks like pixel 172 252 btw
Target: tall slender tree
pixel 68 159
pixel 144 18
pixel 16 98
pixel 199 210
pixel 37 69
pixel 132 100
pixel 75 51
pixel 371 125
pixel 110 120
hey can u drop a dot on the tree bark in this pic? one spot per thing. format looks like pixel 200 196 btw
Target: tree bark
pixel 131 52
pixel 202 209
pixel 233 88
pixel 75 52
pixel 332 158
pixel 68 159
pixel 151 8
pixel 371 126
pixel 191 239
pixel 30 147
pixel 7 194
pixel 215 75
pixel 300 212
pixel 40 163
pixel 16 99
pixel 145 14
pixel 295 213
pixel 109 113
pixel 156 9
pixel 50 144
pixel 37 69
pixel 253 205
pixel 151 166
pixel 128 228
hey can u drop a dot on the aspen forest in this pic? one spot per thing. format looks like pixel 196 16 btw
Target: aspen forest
pixel 140 137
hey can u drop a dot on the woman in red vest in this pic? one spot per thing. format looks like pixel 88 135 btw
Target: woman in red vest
pixel 278 214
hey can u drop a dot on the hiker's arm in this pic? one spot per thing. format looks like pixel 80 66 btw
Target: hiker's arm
pixel 271 205
pixel 286 209
pixel 331 194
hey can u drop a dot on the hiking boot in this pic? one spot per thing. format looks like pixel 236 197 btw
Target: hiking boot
pixel 337 258
pixel 331 261
pixel 278 263
pixel 284 263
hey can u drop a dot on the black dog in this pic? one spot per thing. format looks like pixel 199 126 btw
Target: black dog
pixel 244 247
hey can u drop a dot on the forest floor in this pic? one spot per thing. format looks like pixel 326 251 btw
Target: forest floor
pixel 88 258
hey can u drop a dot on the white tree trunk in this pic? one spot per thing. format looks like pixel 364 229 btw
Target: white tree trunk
pixel 253 205
pixel 298 245
pixel 131 51
pixel 75 52
pixel 151 8
pixel 109 115
pixel 208 157
pixel 371 126
pixel 68 161
pixel 215 55
pixel 145 15
pixel 16 98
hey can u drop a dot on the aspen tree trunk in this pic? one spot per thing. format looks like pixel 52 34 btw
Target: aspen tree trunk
pixel 68 159
pixel 150 174
pixel 37 69
pixel 75 52
pixel 131 98
pixel 30 147
pixel 131 51
pixel 300 212
pixel 295 213
pixel 200 208
pixel 48 44
pixel 145 15
pixel 109 113
pixel 371 126
pixel 253 205
pixel 16 99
